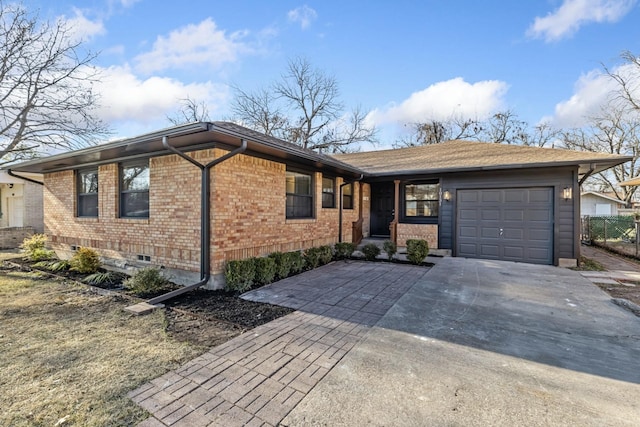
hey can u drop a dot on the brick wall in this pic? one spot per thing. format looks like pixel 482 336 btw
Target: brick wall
pixel 33 206
pixel 428 232
pixel 12 237
pixel 247 214
pixel 249 217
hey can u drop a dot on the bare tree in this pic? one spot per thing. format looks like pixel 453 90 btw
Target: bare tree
pixel 437 131
pixel 46 96
pixel 304 107
pixel 628 83
pixel 503 127
pixel 616 130
pixel 259 111
pixel 190 111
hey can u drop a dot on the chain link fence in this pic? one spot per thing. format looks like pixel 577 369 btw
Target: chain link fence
pixel 615 232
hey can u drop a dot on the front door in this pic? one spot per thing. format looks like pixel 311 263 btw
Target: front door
pixel 382 202
pixel 16 211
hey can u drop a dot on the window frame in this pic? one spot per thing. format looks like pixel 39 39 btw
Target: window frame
pixel 332 192
pixel 421 219
pixel 122 192
pixel 310 197
pixel 79 195
pixel 349 197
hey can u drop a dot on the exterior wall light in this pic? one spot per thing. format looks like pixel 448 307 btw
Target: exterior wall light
pixel 446 195
pixel 567 193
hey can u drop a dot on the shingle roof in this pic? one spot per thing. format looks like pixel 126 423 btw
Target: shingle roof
pixel 459 155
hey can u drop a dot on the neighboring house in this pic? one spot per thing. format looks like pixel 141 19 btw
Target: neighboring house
pixel 593 203
pixel 21 212
pixel 137 203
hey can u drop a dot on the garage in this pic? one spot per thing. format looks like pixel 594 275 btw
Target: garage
pixel 511 224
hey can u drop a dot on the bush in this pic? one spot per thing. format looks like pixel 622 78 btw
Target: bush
pixel 148 280
pixel 55 266
pixel 104 278
pixel 85 261
pixel 344 250
pixel 325 254
pixel 282 264
pixel 417 250
pixel 34 249
pixel 265 270
pixel 390 248
pixel 296 261
pixel 240 274
pixel 312 258
pixel 370 251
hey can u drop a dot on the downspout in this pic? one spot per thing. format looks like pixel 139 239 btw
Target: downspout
pixel 340 210
pixel 205 215
pixel 10 173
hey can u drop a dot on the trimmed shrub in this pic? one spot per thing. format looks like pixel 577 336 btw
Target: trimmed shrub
pixel 33 248
pixel 85 261
pixel 390 248
pixel 282 264
pixel 312 258
pixel 344 250
pixel 325 254
pixel 296 261
pixel 240 274
pixel 417 250
pixel 265 270
pixel 370 251
pixel 148 280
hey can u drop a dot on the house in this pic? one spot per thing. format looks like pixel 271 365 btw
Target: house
pixel 21 212
pixel 593 203
pixel 142 200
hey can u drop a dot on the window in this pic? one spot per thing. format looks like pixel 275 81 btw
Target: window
pixel 328 192
pixel 421 200
pixel 347 196
pixel 87 188
pixel 134 190
pixel 299 195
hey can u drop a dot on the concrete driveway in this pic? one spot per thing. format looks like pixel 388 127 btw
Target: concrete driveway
pixel 477 342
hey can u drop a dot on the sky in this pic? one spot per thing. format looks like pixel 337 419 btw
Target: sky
pixel 404 61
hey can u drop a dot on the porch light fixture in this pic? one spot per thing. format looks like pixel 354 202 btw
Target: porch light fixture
pixel 567 193
pixel 446 195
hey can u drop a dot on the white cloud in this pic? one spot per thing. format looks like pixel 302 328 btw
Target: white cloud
pixel 303 15
pixel 82 28
pixel 200 44
pixel 443 100
pixel 126 97
pixel 592 92
pixel 572 14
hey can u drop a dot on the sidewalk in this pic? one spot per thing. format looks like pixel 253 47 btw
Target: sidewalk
pixel 618 269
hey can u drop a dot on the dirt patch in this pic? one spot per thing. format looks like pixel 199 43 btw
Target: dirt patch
pixel 213 317
pixel 629 292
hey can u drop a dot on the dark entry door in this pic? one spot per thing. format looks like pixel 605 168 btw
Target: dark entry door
pixel 381 208
pixel 512 224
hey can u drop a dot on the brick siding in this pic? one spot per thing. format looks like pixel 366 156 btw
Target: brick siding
pixel 428 232
pixel 247 214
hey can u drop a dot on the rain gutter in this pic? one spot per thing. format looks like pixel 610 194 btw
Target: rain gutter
pixel 10 173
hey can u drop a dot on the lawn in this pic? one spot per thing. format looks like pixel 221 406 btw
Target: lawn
pixel 70 355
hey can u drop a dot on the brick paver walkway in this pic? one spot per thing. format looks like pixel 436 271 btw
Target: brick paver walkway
pixel 257 378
